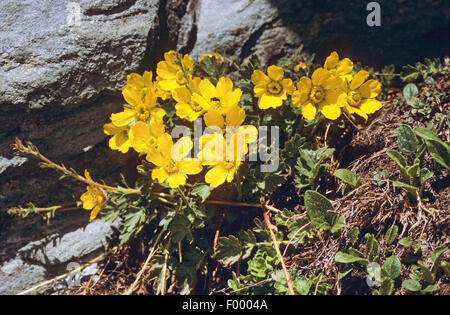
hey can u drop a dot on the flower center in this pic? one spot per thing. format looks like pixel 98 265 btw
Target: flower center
pixel 171 167
pixel 354 98
pixel 196 107
pixel 274 88
pixel 317 94
pixel 181 79
pixel 215 102
pixel 143 114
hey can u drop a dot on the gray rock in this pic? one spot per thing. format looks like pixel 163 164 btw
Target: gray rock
pixel 55 254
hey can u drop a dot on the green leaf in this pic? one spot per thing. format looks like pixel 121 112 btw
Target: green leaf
pixel 203 191
pixel 344 273
pixel 345 258
pixel 429 277
pixel 407 140
pixel 430 289
pixel 426 134
pixel 180 228
pixel 347 177
pixel 318 207
pixel 411 285
pixel 436 257
pixel 391 235
pixel 406 241
pixel 353 235
pixel 387 286
pixel 229 250
pixel 410 93
pixel 338 224
pixel 392 267
pixel 440 152
pixel 401 162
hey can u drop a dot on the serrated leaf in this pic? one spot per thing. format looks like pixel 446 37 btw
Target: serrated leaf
pixel 229 250
pixel 392 267
pixel 180 228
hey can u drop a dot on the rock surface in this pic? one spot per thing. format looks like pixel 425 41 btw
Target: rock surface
pixel 63 63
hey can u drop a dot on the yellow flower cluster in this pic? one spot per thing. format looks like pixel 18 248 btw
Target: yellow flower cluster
pixel 330 89
pixel 93 199
pixel 140 126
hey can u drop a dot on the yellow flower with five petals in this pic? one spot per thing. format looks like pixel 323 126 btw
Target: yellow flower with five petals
pixel 361 95
pixel 340 68
pixel 271 89
pixel 175 71
pixel 320 92
pixel 93 199
pixel 172 166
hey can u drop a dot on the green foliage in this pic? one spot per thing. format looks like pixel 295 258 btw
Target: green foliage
pixel 349 179
pixel 309 166
pixel 320 212
pixel 427 68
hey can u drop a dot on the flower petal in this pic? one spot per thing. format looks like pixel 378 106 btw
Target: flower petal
pixel 370 106
pixel 275 73
pixel 359 79
pixel 267 101
pixel 214 118
pixel 159 174
pixel 216 176
pixel 176 179
pixel 344 67
pixel 258 77
pixel 124 118
pixel 370 89
pixel 331 111
pixel 309 111
pixel 181 148
pixel 235 117
pixel 190 166
pixel 331 61
pixel 320 76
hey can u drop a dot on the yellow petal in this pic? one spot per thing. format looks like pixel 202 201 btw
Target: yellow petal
pixel 358 79
pixel 181 148
pixel 135 80
pixel 190 166
pixel 207 89
pixel 155 157
pixel 187 62
pixel 140 136
pixel 370 106
pixel 95 212
pixel 166 70
pixel 159 174
pixel 258 77
pixel 165 144
pixel 309 111
pixel 288 86
pixel 176 179
pixel 332 83
pixel 168 85
pixel 336 97
pixel 224 86
pixel 132 96
pixel 331 111
pixel 275 73
pixel 320 76
pixel 214 118
pixel 235 117
pixel 331 61
pixel 370 89
pixel 124 118
pixel 182 95
pixel 344 66
pixel 216 176
pixel 267 101
pixel 147 77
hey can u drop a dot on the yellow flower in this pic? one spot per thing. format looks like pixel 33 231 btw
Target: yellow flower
pixel 143 136
pixel 340 68
pixel 93 199
pixel 119 140
pixel 223 157
pixel 174 71
pixel 187 106
pixel 221 97
pixel 271 89
pixel 170 159
pixel 361 96
pixel 320 92
pixel 145 83
pixel 137 108
pixel 234 118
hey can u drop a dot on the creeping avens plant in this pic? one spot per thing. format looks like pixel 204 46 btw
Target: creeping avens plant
pixel 172 198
